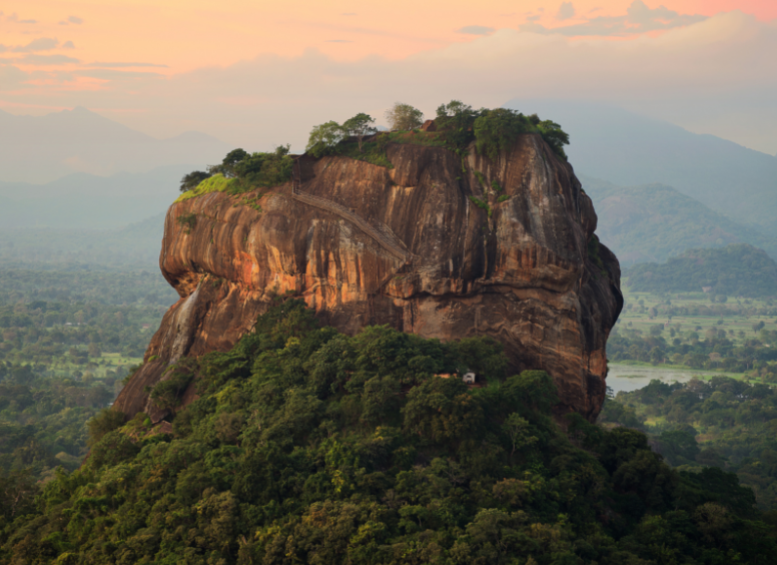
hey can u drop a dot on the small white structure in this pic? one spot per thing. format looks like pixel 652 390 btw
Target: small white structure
pixel 469 377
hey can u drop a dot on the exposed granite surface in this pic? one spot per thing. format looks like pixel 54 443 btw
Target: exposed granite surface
pixel 408 247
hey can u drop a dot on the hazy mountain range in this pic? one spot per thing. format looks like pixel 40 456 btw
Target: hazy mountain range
pixel 133 247
pixel 46 148
pixel 629 150
pixel 83 201
pixel 656 222
pixel 658 189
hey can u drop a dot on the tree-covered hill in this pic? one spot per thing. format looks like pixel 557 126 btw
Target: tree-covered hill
pixel 734 270
pixel 309 446
pixel 632 150
pixel 652 223
pixel 723 421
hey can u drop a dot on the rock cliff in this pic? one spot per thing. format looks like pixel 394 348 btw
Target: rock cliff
pixel 439 246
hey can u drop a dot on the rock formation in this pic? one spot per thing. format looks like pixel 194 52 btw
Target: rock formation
pixel 440 245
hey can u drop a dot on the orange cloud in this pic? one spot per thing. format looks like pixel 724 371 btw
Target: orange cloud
pixel 224 67
pixel 189 34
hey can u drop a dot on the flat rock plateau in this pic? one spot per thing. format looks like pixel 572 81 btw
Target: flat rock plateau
pixel 439 245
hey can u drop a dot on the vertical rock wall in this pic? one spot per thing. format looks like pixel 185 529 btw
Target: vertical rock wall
pixel 438 246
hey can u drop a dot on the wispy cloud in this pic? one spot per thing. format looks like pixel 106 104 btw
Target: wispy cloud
pixel 34 59
pixel 669 75
pixel 11 77
pixel 15 19
pixel 68 45
pixel 123 64
pixel 75 20
pixel 113 74
pixel 565 11
pixel 338 41
pixel 40 44
pixel 639 18
pixel 475 30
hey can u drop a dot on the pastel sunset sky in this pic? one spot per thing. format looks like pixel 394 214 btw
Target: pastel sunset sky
pixel 262 73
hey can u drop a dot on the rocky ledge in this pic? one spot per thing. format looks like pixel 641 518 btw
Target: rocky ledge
pixel 439 245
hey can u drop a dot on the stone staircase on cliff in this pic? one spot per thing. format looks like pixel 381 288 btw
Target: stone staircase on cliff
pixel 380 233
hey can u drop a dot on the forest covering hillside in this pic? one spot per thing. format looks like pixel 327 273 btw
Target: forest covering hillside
pixel 309 446
pixel 722 422
pixel 629 149
pixel 651 223
pixel 734 270
pixel 67 340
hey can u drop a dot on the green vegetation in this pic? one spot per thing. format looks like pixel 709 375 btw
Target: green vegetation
pixel 652 223
pixel 215 183
pixel 359 126
pixel 187 221
pixel 456 126
pixel 372 151
pixel 42 420
pixel 482 204
pixel 722 422
pixel 496 130
pixel 403 117
pixel 67 339
pixel 241 172
pixel 192 180
pixel 734 270
pixel 167 393
pixel 716 351
pixel 263 170
pixel 324 138
pixel 698 331
pixel 309 446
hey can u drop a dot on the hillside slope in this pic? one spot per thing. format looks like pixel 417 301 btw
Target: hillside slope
pixel 41 149
pixel 734 270
pixel 83 201
pixel 628 149
pixel 654 222
pixel 309 446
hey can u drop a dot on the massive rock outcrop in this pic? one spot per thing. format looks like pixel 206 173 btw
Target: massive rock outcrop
pixel 439 246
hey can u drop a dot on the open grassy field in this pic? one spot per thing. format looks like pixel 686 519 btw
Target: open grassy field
pixel 696 312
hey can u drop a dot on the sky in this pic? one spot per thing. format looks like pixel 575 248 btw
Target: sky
pixel 260 74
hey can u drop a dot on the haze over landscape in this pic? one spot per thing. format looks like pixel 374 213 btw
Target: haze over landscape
pixel 341 282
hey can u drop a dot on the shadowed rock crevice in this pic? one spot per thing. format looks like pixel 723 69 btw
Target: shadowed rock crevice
pixel 439 246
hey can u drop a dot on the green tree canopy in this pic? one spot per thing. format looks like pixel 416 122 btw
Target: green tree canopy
pixel 309 446
pixel 323 138
pixel 497 130
pixel 359 126
pixel 191 180
pixel 228 165
pixel 265 169
pixel 403 117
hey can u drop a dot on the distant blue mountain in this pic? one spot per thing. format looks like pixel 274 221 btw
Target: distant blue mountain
pixel 43 149
pixel 652 223
pixel 627 149
pixel 83 201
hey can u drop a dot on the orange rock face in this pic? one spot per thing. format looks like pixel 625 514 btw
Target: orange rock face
pixel 437 246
